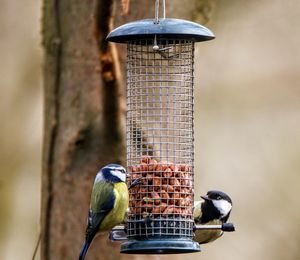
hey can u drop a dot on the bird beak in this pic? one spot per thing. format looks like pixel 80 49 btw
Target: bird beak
pixel 205 197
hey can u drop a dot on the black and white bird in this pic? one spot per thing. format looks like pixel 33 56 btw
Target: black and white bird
pixel 213 210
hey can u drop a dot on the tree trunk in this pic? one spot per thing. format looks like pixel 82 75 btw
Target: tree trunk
pixel 84 115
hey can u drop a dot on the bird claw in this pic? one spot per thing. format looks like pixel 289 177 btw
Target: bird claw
pixel 118 233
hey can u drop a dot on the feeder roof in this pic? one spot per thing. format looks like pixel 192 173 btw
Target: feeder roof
pixel 165 28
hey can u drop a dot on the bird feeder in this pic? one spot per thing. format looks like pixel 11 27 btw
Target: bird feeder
pixel 160 132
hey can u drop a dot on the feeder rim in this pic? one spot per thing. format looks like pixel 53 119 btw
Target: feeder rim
pixel 169 28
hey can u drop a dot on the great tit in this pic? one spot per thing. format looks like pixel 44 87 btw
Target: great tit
pixel 109 202
pixel 213 210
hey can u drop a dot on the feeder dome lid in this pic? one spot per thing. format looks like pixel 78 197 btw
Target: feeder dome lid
pixel 164 28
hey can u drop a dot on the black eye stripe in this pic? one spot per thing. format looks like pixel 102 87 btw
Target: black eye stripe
pixel 120 170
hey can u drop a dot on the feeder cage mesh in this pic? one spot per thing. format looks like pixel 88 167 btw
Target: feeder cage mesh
pixel 160 138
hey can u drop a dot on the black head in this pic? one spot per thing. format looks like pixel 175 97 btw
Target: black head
pixel 217 195
pixel 216 205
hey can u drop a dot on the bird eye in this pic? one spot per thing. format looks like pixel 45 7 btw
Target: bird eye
pixel 219 197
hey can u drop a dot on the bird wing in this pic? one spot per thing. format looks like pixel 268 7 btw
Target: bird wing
pixel 197 211
pixel 102 202
pixel 227 217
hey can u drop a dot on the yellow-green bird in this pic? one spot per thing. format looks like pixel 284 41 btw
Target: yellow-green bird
pixel 109 202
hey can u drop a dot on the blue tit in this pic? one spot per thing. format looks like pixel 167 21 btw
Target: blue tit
pixel 109 202
pixel 213 210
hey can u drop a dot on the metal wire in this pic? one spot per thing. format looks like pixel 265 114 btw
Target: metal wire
pixel 160 137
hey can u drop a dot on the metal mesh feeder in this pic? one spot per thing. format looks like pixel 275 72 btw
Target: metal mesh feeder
pixel 160 133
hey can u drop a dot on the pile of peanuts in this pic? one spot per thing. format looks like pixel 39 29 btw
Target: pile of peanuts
pixel 166 188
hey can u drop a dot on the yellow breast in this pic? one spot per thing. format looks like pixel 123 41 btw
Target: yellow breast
pixel 117 214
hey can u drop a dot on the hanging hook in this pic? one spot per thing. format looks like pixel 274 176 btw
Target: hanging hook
pixel 156 11
pixel 157 5
pixel 164 9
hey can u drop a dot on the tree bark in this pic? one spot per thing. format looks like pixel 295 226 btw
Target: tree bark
pixel 84 116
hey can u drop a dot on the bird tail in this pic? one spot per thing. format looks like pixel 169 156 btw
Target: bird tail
pixel 84 250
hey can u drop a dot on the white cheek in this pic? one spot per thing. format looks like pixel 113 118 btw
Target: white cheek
pixel 119 174
pixel 223 206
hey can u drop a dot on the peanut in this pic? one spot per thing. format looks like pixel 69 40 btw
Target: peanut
pixel 144 167
pixel 184 168
pixel 159 209
pixel 149 176
pixel 174 168
pixel 188 201
pixel 134 176
pixel 138 208
pixel 145 159
pixel 132 169
pixel 143 190
pixel 147 208
pixel 132 203
pixel 169 210
pixel 186 180
pixel 175 198
pixel 177 210
pixel 156 181
pixel 164 196
pixel 166 188
pixel 181 202
pixel 138 168
pixel 144 181
pixel 158 167
pixel 168 173
pixel 155 197
pixel 165 165
pixel 152 165
pixel 157 188
pixel 174 181
pixel 148 200
pixel 165 181
pixel 156 210
pixel 187 211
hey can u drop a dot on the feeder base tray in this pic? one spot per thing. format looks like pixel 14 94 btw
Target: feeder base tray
pixel 160 246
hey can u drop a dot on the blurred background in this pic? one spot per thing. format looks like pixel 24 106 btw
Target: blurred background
pixel 247 127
